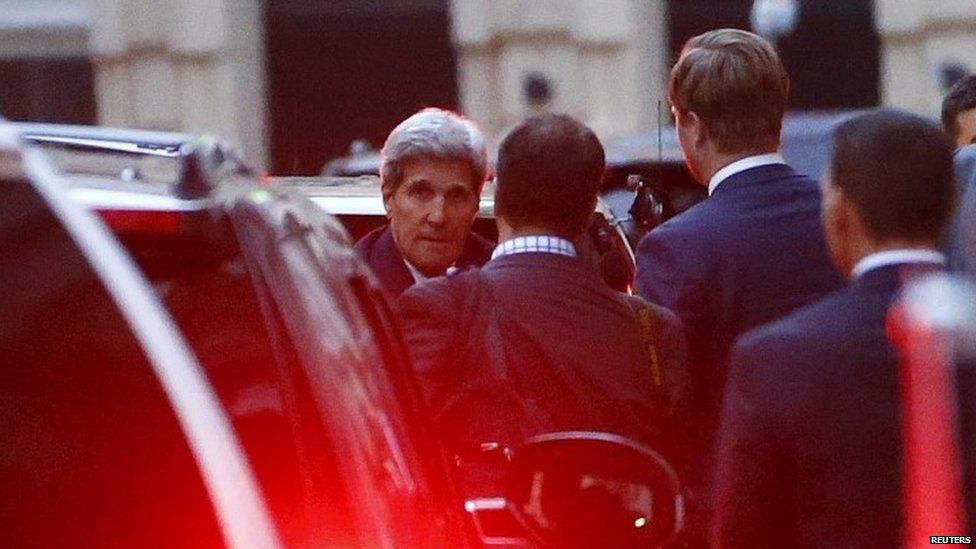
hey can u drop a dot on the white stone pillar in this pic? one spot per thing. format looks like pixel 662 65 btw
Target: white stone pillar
pixel 183 65
pixel 606 59
pixel 918 38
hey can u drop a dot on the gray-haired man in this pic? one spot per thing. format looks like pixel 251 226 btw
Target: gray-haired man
pixel 434 167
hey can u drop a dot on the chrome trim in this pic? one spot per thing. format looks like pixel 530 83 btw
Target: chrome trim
pixel 105 145
pixel 106 199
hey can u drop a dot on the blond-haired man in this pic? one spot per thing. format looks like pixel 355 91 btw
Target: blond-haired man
pixel 753 251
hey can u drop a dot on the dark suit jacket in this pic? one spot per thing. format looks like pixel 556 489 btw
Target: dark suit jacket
pixel 534 343
pixel 810 452
pixel 751 252
pixel 380 252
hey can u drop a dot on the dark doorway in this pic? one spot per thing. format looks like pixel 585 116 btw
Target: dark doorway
pixel 58 90
pixel 341 70
pixel 832 56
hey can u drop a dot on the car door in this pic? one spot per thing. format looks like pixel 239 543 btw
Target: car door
pixel 348 379
pixel 110 435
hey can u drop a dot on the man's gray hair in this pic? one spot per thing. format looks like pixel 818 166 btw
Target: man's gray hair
pixel 434 133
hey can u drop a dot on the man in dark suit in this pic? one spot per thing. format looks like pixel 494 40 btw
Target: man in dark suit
pixel 753 250
pixel 535 341
pixel 433 169
pixel 810 452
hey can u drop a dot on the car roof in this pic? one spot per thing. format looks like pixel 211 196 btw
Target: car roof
pixel 179 164
pixel 149 142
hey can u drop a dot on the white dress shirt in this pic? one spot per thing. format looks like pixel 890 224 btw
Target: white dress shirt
pixel 895 257
pixel 742 165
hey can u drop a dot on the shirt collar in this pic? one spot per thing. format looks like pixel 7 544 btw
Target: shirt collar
pixel 543 243
pixel 414 272
pixel 894 257
pixel 742 165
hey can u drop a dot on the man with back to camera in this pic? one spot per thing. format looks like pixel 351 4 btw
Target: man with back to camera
pixel 753 250
pixel 535 341
pixel 810 451
pixel 434 167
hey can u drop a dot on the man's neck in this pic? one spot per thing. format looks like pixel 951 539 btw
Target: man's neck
pixel 718 160
pixel 507 232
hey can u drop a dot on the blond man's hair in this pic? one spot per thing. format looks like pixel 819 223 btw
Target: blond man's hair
pixel 736 84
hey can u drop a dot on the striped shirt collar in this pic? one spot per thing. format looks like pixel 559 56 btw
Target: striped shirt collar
pixel 894 257
pixel 543 243
pixel 742 165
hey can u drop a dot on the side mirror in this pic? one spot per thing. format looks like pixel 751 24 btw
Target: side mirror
pixel 584 489
pixel 650 207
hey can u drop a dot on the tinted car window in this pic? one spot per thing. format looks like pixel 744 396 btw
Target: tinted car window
pixel 309 273
pixel 92 453
pixel 298 370
pixel 247 354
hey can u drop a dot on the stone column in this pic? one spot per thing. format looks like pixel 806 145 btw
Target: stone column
pixel 919 38
pixel 182 65
pixel 606 60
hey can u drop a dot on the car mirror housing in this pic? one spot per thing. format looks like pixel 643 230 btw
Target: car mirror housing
pixel 651 206
pixel 586 489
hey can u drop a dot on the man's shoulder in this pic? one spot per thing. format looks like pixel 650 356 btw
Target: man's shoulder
pixel 796 335
pixel 447 291
pixel 368 242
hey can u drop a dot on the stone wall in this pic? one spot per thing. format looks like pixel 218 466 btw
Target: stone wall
pixel 186 65
pixel 605 60
pixel 920 38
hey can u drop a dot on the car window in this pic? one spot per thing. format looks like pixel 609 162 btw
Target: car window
pixel 92 450
pixel 308 278
pixel 249 359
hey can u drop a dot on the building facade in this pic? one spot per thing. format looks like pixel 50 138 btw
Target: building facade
pixel 223 66
pixel 604 61
pixel 925 45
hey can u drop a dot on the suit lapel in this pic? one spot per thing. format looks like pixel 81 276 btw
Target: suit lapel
pixel 389 266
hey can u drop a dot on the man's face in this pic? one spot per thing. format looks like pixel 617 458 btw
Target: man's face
pixel 431 212
pixel 966 122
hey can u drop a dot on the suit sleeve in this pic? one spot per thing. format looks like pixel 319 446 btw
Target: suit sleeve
pixel 669 275
pixel 674 357
pixel 751 465
pixel 428 321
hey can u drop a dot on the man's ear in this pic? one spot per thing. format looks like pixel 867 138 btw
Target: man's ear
pixel 387 194
pixel 693 126
pixel 836 210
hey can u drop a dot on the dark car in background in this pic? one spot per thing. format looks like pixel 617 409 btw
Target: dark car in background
pixel 298 350
pixel 668 187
